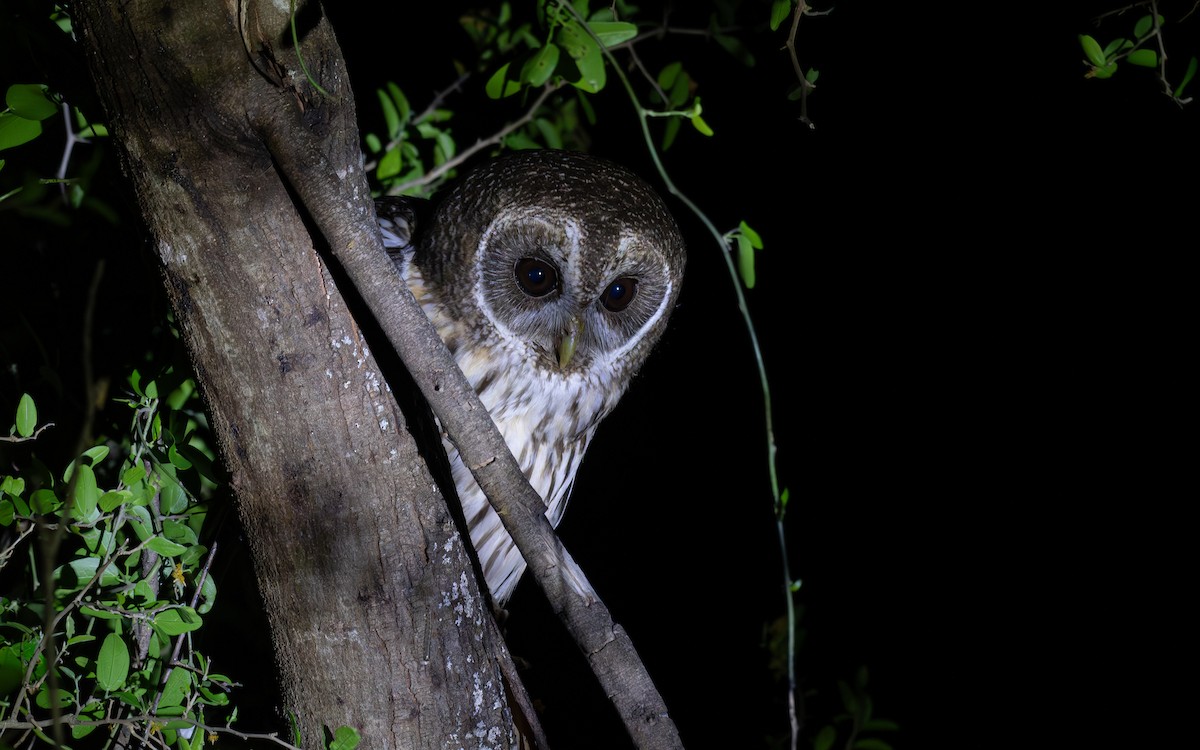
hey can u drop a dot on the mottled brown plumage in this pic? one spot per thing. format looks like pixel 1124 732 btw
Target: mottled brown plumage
pixel 550 275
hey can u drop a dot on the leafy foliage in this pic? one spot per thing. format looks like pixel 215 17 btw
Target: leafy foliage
pixel 104 641
pixel 1103 61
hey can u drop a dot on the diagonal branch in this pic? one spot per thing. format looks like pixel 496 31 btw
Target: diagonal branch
pixel 345 216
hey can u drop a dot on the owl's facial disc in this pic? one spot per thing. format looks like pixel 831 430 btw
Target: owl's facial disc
pixel 539 278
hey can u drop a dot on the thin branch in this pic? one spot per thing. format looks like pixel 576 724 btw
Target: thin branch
pixel 802 9
pixel 350 229
pixel 437 172
pixel 644 118
pixel 72 139
pixel 145 722
pixel 179 638
pixel 19 439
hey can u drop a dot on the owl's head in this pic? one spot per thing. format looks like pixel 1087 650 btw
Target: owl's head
pixel 570 259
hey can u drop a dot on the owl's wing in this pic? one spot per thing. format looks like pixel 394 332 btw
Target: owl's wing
pixel 399 219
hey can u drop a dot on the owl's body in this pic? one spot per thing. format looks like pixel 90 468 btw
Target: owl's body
pixel 549 275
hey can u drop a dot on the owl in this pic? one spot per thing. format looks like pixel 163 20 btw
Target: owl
pixel 549 275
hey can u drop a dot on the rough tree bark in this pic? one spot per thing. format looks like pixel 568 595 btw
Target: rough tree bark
pixel 375 615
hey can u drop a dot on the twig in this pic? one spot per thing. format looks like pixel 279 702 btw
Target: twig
pixel 142 722
pixel 179 638
pixel 19 439
pixel 644 118
pixel 434 174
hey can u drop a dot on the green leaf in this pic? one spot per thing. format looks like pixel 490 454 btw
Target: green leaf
pixel 588 57
pixel 177 460
pixel 99 614
pixel 1147 58
pixel 500 85
pixel 401 101
pixel 1187 77
pixel 701 125
pixel 78 573
pixel 1116 46
pixel 44 502
pixel 12 670
pixel 112 664
pixel 871 743
pixel 165 548
pixel 538 69
pixel 173 499
pixel 549 133
pixel 612 32
pixel 780 9
pixel 113 499
pixel 8 512
pixel 177 620
pixel 99 543
pixel 26 415
pixel 43 698
pixel 94 455
pixel 344 738
pixel 680 91
pixel 86 494
pixel 391 117
pixel 12 485
pixel 29 100
pixel 751 235
pixel 1105 72
pixel 1145 25
pixel 825 738
pixel 734 46
pixel 133 475
pixel 15 131
pixel 746 261
pixel 669 132
pixel 389 165
pixel 1091 48
pixel 208 595
pixel 178 686
pixel 667 76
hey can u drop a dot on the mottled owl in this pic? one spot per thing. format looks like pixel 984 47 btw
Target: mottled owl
pixel 550 275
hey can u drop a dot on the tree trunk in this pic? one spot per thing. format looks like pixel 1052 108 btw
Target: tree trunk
pixel 376 617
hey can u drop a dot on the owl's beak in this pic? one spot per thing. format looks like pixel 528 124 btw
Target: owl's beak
pixel 566 345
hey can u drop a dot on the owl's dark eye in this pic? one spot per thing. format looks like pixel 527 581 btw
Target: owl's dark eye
pixel 619 294
pixel 536 277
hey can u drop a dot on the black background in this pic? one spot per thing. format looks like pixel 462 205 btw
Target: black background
pixel 967 305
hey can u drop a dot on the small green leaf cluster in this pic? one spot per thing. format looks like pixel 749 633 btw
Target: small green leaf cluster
pixel 746 240
pixel 855 720
pixel 411 144
pixel 569 48
pixel 24 117
pixel 104 641
pixel 1103 60
pixel 570 44
pixel 26 105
